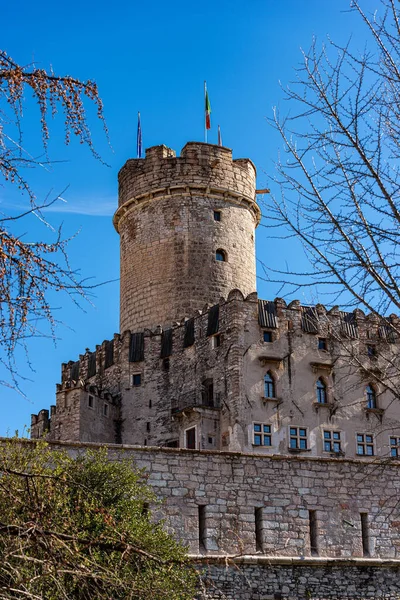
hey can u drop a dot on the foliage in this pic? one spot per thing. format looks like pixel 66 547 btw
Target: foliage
pixel 31 269
pixel 80 528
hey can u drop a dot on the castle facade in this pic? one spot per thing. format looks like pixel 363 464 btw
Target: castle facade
pixel 270 429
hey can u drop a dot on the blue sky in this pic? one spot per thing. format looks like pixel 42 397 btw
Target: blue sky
pixel 152 57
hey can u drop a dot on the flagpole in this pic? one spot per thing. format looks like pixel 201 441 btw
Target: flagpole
pixel 205 120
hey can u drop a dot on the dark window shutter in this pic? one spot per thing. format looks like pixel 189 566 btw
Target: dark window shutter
pixel 91 364
pixel 136 347
pixel 109 354
pixel 74 373
pixel 349 325
pixel 267 314
pixel 188 339
pixel 213 320
pixel 309 319
pixel 166 343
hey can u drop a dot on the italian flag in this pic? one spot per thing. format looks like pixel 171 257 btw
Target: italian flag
pixel 207 110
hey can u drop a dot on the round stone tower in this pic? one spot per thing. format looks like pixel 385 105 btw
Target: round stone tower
pixel 186 227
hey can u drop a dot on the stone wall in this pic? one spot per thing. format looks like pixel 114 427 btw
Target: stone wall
pixel 231 486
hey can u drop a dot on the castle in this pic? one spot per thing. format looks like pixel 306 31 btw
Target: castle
pixel 268 428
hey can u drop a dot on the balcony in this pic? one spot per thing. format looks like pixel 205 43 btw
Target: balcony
pixel 195 401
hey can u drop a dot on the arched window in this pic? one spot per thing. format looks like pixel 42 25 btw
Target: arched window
pixel 269 386
pixel 371 396
pixel 321 392
pixel 220 255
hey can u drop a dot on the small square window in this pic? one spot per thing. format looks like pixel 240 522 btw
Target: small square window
pixel 90 401
pixel 365 444
pixel 267 337
pixel 105 409
pixel 136 379
pixel 262 434
pixel 332 441
pixel 217 215
pixel 395 447
pixel 298 438
pixel 322 345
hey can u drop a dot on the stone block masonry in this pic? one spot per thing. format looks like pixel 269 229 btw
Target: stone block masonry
pixel 230 486
pixel 169 233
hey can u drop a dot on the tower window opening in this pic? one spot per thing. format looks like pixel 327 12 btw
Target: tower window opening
pixel 217 215
pixel 90 402
pixel 220 255
pixel 105 409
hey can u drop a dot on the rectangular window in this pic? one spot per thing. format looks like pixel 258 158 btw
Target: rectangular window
pixel 148 426
pixel 190 438
pixel 365 444
pixel 166 343
pixel 267 337
pixel 365 534
pixel 202 528
pixel 258 517
pixel 136 379
pixel 188 339
pixel 262 434
pixel 91 364
pixel 322 345
pixel 105 409
pixel 90 401
pixel 332 441
pixel 394 446
pixel 313 532
pixel 109 354
pixel 298 438
pixel 371 351
pixel 136 347
pixel 217 215
pixel 213 320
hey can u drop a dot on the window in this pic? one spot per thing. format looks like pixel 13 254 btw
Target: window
pixel 322 345
pixel 105 409
pixel 261 434
pixel 220 255
pixel 298 438
pixel 190 438
pixel 136 379
pixel 166 364
pixel 217 215
pixel 148 426
pixel 216 341
pixel 371 351
pixel 371 396
pixel 90 402
pixel 395 447
pixel 207 392
pixel 267 337
pixel 365 444
pixel 269 386
pixel 332 441
pixel 321 392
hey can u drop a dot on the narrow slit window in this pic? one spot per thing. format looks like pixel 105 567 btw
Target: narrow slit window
pixel 313 532
pixel 202 528
pixel 220 255
pixel 365 534
pixel 217 215
pixel 258 518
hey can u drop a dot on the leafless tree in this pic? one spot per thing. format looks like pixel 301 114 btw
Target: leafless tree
pixel 339 182
pixel 339 186
pixel 31 269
